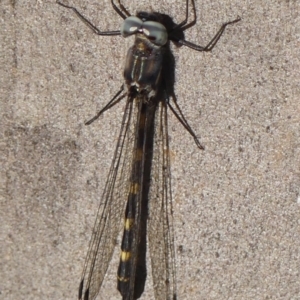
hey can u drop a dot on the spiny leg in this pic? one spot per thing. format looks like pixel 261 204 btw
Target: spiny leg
pixel 87 22
pixel 213 41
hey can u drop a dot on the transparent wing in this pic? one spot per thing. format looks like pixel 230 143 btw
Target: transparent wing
pixel 160 224
pixel 109 219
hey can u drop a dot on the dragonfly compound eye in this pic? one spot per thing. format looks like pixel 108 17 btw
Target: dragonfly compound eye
pixel 131 25
pixel 155 32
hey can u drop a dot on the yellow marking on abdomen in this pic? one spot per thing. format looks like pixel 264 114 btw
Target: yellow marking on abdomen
pixel 134 188
pixel 125 256
pixel 128 223
pixel 123 279
pixel 139 154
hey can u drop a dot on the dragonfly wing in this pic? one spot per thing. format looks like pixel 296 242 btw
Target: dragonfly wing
pixel 160 224
pixel 109 219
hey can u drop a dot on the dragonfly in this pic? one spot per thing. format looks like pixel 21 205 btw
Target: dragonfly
pixel 138 184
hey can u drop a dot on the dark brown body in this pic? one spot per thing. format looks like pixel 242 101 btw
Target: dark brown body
pixel 142 77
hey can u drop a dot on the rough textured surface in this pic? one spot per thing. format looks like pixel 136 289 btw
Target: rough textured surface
pixel 236 203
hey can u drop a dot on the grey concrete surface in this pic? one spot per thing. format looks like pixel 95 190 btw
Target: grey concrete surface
pixel 236 204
